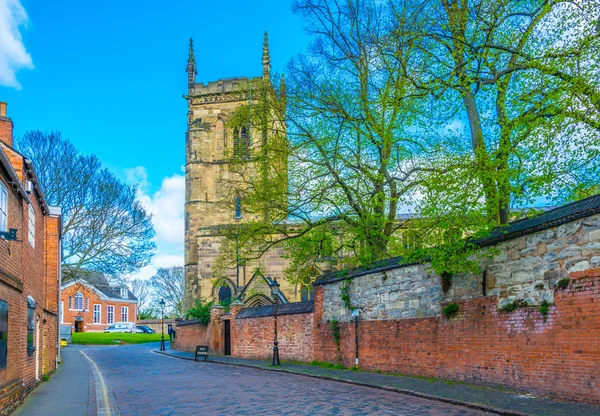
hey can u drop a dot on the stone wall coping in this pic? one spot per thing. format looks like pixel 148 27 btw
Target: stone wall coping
pixel 282 309
pixel 154 321
pixel 190 322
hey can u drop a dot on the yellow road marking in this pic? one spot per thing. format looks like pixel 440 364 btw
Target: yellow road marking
pixel 102 384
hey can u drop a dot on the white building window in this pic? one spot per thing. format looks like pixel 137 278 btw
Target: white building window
pixel 62 312
pixel 110 314
pixel 97 314
pixel 31 233
pixel 78 301
pixel 3 208
pixel 70 302
pixel 124 313
pixel 124 293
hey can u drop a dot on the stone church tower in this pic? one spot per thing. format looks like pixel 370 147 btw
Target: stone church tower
pixel 210 144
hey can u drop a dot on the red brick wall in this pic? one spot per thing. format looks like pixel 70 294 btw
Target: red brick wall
pixel 557 356
pixel 24 272
pixel 188 336
pixel 253 337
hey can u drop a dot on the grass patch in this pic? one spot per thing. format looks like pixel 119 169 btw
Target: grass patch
pixel 325 364
pixel 101 338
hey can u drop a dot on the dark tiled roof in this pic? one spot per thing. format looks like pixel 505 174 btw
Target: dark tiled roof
pixel 380 266
pixel 551 218
pixel 114 292
pixel 282 309
pixel 101 283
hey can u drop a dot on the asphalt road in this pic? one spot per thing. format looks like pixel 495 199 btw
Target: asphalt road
pixel 131 380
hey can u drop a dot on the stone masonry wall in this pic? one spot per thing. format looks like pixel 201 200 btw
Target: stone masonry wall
pixel 525 269
pixel 155 324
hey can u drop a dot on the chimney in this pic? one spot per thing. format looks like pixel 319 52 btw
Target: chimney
pixel 6 126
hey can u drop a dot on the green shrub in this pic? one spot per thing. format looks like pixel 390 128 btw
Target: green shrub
pixel 450 310
pixel 334 326
pixel 563 283
pixel 544 308
pixel 200 310
pixel 511 307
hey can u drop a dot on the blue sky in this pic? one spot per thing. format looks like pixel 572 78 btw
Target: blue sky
pixel 110 75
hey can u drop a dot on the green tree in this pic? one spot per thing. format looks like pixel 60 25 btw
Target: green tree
pixel 522 77
pixel 355 147
pixel 105 227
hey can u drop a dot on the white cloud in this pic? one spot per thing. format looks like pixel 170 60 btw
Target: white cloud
pixel 13 55
pixel 167 208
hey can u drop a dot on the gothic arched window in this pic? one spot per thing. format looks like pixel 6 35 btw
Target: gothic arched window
pixel 238 207
pixel 241 143
pixel 224 293
pixel 306 293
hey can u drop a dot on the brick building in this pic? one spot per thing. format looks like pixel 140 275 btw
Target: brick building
pixel 30 250
pixel 90 303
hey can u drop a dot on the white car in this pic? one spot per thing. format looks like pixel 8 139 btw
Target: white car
pixel 123 327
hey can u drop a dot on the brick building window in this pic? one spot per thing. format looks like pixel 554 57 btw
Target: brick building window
pixel 97 314
pixel 3 207
pixel 30 325
pixel 124 293
pixel 87 304
pixel 110 314
pixel 78 301
pixel 31 220
pixel 70 302
pixel 3 333
pixel 124 313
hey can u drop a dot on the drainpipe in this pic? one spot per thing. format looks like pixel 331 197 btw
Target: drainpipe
pixel 57 212
pixel 58 357
pixel 355 313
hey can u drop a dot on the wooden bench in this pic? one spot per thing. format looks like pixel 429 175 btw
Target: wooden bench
pixel 202 352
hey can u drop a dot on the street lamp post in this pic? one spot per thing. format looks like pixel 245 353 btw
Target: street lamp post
pixel 162 324
pixel 275 293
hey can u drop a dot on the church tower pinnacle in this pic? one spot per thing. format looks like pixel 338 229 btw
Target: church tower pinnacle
pixel 266 57
pixel 191 66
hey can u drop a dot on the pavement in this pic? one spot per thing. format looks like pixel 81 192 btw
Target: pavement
pixel 489 399
pixel 70 390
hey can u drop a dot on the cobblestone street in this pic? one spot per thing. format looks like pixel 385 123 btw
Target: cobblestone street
pixel 145 383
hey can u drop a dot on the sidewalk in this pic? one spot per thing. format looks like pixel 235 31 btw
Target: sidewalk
pixel 67 392
pixel 490 399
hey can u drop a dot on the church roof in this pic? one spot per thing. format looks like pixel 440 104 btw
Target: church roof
pixel 548 219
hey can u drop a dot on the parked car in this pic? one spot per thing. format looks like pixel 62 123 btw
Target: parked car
pixel 123 327
pixel 146 329
pixel 65 334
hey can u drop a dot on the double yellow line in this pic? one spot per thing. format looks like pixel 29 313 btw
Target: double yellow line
pixel 107 408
